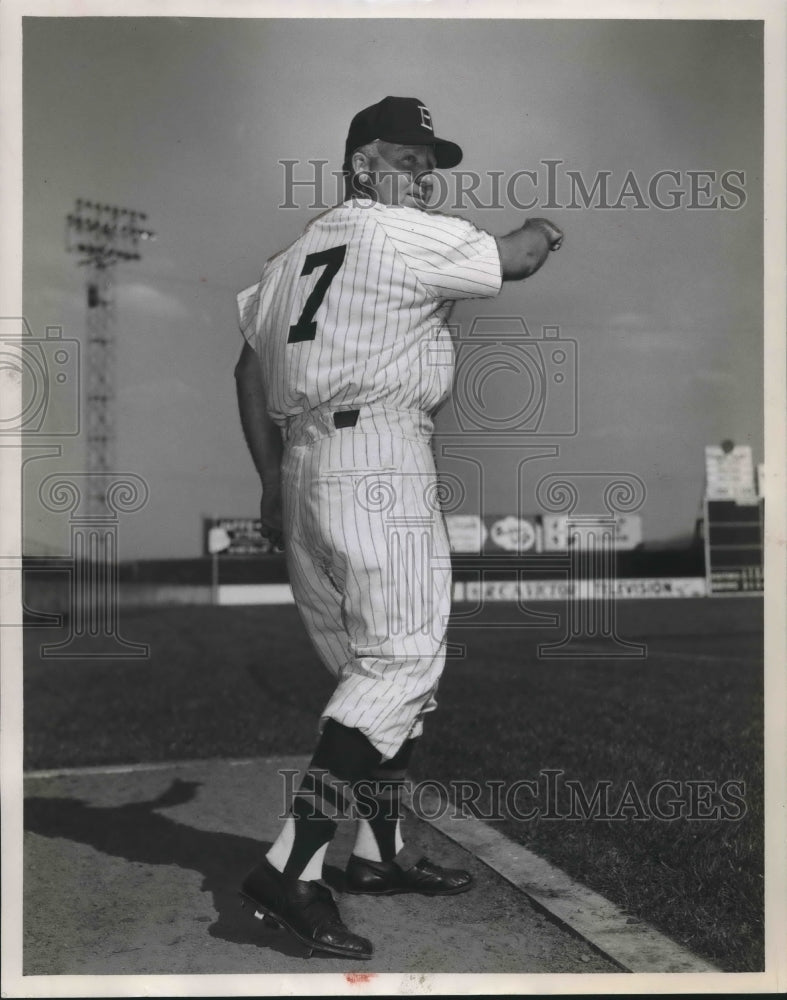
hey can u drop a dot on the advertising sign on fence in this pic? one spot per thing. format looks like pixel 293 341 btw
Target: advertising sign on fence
pixel 729 472
pixel 234 536
pixel 493 533
pixel 628 532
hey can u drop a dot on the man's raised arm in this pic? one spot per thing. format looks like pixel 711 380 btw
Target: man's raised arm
pixel 524 251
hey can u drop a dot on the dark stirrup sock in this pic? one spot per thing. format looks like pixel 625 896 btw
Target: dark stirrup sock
pixel 312 831
pixel 379 799
pixel 341 757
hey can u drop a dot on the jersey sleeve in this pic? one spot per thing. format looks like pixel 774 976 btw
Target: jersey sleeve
pixel 452 258
pixel 248 311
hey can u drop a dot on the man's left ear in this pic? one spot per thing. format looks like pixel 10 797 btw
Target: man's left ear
pixel 362 175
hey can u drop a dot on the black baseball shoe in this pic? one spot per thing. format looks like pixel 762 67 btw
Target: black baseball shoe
pixel 306 909
pixel 387 878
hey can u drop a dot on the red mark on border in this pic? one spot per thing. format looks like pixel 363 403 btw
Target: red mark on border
pixel 359 977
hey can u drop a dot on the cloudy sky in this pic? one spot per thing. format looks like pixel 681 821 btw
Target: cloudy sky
pixel 188 119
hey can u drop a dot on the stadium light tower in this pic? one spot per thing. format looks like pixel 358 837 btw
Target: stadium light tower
pixel 102 235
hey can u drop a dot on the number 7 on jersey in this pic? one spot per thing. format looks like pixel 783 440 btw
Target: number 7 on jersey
pixel 331 260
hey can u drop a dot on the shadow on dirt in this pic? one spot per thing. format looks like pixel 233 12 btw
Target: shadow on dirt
pixel 138 833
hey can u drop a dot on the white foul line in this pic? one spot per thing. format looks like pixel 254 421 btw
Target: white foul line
pixel 635 947
pixel 167 765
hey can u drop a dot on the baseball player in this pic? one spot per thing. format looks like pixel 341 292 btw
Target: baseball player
pixel 346 358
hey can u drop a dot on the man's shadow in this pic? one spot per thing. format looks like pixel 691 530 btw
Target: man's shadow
pixel 136 832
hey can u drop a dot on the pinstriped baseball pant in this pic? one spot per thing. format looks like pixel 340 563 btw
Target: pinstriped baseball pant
pixel 369 564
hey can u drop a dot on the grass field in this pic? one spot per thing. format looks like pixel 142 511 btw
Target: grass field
pixel 242 682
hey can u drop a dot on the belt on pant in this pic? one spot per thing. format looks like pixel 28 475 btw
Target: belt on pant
pixel 310 424
pixel 345 418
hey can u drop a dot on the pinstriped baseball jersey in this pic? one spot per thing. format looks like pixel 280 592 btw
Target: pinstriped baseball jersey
pixel 341 318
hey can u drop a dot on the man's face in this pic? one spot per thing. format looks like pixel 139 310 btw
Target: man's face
pixel 402 174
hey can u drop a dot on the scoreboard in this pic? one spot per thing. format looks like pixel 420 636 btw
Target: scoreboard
pixel 734 545
pixel 729 472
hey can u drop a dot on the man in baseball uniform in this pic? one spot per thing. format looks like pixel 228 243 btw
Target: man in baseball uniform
pixel 346 358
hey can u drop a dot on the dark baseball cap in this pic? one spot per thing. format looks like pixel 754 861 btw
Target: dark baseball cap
pixel 403 120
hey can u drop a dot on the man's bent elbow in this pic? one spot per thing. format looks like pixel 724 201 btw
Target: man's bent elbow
pixel 244 363
pixel 523 267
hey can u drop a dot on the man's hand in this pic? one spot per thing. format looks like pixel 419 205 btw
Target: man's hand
pixel 270 515
pixel 553 235
pixel 524 251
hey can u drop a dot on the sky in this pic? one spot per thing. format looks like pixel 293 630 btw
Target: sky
pixel 187 119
